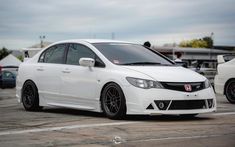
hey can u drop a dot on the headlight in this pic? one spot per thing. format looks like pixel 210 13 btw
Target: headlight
pixel 207 84
pixel 142 83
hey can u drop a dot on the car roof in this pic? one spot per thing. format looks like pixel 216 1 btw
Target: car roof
pixel 92 41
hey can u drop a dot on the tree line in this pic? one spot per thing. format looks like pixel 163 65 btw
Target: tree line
pixel 205 42
pixel 4 52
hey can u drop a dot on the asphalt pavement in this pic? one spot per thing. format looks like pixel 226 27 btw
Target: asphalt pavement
pixel 66 127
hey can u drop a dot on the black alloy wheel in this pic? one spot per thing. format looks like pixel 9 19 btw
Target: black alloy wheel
pixel 30 97
pixel 113 101
pixel 230 91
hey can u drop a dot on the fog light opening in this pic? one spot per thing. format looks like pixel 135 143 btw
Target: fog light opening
pixel 161 105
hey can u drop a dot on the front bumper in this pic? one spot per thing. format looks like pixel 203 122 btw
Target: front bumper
pixel 138 101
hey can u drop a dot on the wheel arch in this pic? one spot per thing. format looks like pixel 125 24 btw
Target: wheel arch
pixel 122 108
pixel 24 84
pixel 106 84
pixel 226 83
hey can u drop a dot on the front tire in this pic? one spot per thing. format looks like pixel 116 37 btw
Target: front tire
pixel 113 101
pixel 230 91
pixel 30 98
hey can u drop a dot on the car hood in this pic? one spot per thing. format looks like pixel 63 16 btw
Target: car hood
pixel 168 73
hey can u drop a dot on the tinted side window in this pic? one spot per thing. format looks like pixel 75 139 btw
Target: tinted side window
pixel 54 54
pixel 41 58
pixel 76 51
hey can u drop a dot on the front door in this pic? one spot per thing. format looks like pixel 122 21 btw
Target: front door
pixel 79 83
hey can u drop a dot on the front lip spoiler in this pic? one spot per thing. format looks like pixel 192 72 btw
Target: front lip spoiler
pixel 180 112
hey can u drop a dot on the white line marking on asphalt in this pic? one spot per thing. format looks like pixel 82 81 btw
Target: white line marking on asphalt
pixel 176 138
pixel 224 113
pixel 88 126
pixel 64 127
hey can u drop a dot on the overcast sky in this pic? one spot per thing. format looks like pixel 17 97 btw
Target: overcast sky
pixel 159 21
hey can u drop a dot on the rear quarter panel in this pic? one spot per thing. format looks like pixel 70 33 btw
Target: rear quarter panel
pixel 226 71
pixel 25 72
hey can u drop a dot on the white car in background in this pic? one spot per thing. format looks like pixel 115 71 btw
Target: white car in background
pixel 113 77
pixel 225 78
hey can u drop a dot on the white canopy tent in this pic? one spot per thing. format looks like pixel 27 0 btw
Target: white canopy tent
pixel 10 60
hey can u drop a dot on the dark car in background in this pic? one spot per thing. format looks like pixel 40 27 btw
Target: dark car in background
pixel 7 78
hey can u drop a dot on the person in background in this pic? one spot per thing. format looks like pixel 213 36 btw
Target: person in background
pixel 178 57
pixel 147 44
pixel 26 54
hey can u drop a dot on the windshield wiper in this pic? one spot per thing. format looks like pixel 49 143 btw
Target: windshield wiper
pixel 141 63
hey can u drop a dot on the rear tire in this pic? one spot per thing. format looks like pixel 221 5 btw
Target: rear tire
pixel 230 91
pixel 113 101
pixel 30 98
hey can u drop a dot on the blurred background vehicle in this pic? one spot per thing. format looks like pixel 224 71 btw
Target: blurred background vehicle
pixel 225 77
pixel 204 68
pixel 8 76
pixel 201 60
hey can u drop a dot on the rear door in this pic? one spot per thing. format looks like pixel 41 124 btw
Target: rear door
pixel 48 72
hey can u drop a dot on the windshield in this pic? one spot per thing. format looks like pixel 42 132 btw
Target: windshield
pixel 228 57
pixel 130 54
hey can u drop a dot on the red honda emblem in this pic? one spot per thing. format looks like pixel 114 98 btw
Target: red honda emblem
pixel 188 87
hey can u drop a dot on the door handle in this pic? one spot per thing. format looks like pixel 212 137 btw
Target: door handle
pixel 40 69
pixel 66 71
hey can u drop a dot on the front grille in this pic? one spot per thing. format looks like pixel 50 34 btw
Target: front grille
pixel 195 86
pixel 187 104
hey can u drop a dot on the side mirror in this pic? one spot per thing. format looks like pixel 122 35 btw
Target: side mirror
pixel 87 62
pixel 183 64
pixel 220 59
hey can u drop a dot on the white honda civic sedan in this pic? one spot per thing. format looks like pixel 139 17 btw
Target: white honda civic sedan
pixel 113 77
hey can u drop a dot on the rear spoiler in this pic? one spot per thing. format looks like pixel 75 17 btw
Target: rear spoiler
pixel 220 59
pixel 1 67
